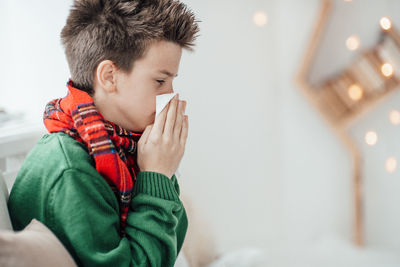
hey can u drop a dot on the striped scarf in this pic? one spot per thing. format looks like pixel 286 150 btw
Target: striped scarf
pixel 112 147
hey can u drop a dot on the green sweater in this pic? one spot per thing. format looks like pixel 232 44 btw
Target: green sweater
pixel 59 186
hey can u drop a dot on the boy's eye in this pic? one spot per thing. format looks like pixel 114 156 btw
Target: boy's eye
pixel 160 81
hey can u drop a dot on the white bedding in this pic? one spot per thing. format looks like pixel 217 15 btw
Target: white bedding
pixel 329 252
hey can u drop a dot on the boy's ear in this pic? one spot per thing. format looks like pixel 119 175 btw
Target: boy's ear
pixel 106 74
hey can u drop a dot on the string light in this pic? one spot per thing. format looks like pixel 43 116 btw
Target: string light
pixel 355 92
pixel 391 164
pixel 394 117
pixel 387 70
pixel 386 23
pixel 371 138
pixel 353 42
pixel 260 18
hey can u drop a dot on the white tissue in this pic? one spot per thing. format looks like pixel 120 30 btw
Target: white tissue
pixel 162 101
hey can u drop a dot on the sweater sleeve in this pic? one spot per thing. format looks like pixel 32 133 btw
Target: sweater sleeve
pixel 86 220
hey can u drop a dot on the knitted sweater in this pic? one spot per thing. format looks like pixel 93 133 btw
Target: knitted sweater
pixel 58 185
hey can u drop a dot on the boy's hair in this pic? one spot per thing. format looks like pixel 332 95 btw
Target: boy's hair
pixel 121 31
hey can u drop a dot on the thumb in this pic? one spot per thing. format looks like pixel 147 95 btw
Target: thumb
pixel 146 133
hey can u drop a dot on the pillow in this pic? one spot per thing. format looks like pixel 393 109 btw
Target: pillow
pixel 181 261
pixel 5 223
pixel 34 246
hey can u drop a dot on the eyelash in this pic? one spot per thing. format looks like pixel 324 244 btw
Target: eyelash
pixel 161 81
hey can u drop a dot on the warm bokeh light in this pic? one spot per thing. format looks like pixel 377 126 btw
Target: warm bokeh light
pixel 385 23
pixel 394 117
pixel 353 42
pixel 348 0
pixel 355 92
pixel 371 138
pixel 391 164
pixel 387 70
pixel 260 18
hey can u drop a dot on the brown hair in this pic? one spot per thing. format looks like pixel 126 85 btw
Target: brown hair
pixel 121 31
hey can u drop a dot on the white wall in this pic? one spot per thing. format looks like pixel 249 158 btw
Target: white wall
pixel 262 164
pixel 316 167
pixel 317 171
pixel 232 160
pixel 382 212
pixel 33 69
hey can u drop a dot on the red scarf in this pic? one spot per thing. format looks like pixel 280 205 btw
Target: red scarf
pixel 112 147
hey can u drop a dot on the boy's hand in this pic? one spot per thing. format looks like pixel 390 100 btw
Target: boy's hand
pixel 162 145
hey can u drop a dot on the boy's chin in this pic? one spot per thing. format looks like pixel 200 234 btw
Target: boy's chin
pixel 140 128
pixel 135 129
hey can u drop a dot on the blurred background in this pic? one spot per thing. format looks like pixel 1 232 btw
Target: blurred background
pixel 264 166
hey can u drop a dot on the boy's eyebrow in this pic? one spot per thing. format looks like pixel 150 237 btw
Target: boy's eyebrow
pixel 168 73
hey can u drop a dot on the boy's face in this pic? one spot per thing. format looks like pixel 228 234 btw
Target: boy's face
pixel 130 102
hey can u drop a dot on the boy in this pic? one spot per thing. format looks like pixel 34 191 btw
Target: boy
pixel 103 178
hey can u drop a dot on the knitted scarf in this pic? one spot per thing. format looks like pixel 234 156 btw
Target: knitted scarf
pixel 112 147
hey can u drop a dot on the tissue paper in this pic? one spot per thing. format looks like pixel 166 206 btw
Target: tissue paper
pixel 162 101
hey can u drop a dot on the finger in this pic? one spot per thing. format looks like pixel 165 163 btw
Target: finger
pixel 179 119
pixel 185 130
pixel 145 135
pixel 159 122
pixel 171 117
